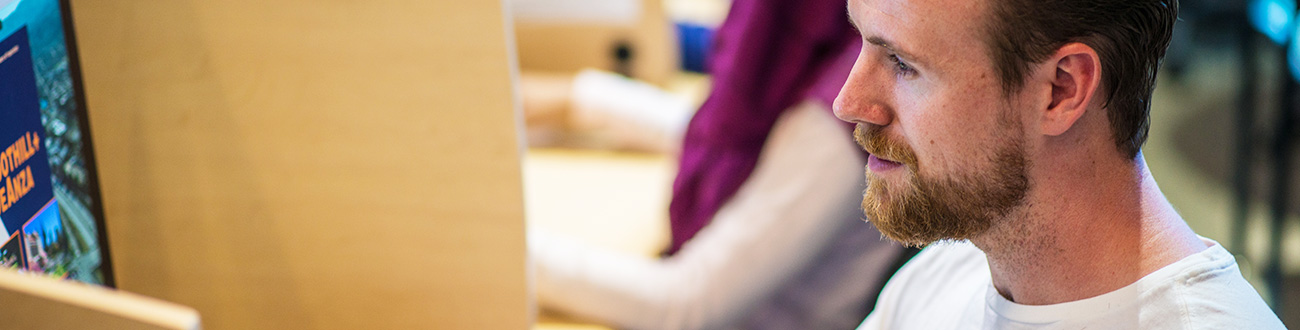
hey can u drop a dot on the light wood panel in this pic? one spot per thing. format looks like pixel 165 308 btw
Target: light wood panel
pixel 37 303
pixel 307 164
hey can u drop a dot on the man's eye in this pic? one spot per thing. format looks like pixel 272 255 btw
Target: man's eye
pixel 900 65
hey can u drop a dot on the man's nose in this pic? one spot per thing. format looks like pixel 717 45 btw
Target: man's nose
pixel 862 100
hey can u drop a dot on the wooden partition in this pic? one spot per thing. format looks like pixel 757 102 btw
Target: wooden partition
pixel 38 303
pixel 307 164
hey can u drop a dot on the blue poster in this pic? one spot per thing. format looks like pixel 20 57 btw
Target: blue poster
pixel 24 167
pixel 47 201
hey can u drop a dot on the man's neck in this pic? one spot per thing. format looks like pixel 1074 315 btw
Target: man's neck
pixel 1085 231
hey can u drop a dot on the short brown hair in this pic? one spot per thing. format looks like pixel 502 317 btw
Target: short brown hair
pixel 1130 36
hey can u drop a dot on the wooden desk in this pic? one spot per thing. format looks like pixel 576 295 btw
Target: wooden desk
pixel 612 200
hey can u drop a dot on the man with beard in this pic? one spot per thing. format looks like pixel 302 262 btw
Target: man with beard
pixel 1010 132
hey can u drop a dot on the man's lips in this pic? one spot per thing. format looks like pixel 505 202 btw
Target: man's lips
pixel 878 165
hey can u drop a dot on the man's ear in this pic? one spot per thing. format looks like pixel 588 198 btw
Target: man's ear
pixel 1074 84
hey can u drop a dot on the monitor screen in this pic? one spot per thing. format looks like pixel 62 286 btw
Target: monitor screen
pixel 50 209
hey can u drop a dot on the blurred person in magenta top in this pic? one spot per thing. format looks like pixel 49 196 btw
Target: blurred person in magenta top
pixel 765 218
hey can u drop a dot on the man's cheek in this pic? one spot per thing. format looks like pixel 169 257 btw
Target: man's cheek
pixel 944 144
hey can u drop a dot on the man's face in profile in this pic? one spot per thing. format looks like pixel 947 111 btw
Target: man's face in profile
pixel 948 145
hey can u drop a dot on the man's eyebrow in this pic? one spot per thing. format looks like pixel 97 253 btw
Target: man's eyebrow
pixel 878 40
pixel 886 44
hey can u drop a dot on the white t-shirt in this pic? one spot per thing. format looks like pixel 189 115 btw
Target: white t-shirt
pixel 948 286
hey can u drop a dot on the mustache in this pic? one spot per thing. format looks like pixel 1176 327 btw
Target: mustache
pixel 872 138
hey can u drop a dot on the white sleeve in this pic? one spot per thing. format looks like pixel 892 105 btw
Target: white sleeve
pixel 806 186
pixel 873 322
pixel 886 303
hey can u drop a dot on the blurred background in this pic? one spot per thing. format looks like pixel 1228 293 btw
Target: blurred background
pixel 608 87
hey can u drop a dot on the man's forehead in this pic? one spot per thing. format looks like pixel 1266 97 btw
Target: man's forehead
pixel 922 27
pixel 915 12
pixel 888 8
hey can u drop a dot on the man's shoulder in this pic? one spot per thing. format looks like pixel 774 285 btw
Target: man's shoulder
pixel 1209 292
pixel 946 270
pixel 941 286
pixel 943 260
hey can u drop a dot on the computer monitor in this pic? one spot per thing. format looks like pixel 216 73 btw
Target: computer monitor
pixel 50 208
